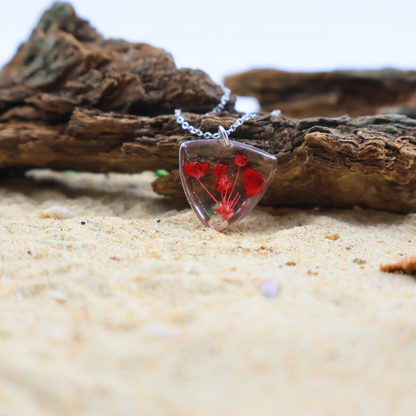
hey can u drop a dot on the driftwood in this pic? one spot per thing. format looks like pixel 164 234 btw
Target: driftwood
pixel 367 161
pixel 330 162
pixel 66 64
pixel 330 94
pixel 71 100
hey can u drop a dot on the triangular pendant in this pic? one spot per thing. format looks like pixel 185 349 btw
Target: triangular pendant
pixel 224 182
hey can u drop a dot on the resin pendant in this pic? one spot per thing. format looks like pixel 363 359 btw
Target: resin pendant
pixel 224 180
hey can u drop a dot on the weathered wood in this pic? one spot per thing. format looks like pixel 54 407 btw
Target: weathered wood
pixel 71 100
pixel 332 162
pixel 66 64
pixel 330 94
pixel 367 161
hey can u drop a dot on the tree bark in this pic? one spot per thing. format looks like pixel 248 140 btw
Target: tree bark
pixel 330 94
pixel 71 100
pixel 329 162
pixel 66 64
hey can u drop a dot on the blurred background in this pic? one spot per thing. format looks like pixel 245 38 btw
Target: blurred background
pixel 229 37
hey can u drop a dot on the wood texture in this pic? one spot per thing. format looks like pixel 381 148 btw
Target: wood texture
pixel 66 64
pixel 71 100
pixel 333 162
pixel 330 94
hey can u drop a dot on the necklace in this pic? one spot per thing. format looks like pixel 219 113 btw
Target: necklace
pixel 223 180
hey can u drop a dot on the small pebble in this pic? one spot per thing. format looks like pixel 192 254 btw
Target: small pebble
pixel 269 289
pixel 59 296
pixel 57 212
pixel 332 237
pixel 161 330
pixel 359 261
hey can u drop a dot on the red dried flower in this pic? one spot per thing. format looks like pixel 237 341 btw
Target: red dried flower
pixel 226 209
pixel 223 184
pixel 196 169
pixel 241 160
pixel 219 170
pixel 253 182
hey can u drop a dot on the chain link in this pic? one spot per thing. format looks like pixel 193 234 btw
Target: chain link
pixel 220 107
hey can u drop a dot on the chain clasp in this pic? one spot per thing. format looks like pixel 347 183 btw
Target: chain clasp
pixel 223 136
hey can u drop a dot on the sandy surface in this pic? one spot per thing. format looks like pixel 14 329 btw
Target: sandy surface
pixel 142 311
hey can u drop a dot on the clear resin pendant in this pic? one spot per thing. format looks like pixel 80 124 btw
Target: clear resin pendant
pixel 224 180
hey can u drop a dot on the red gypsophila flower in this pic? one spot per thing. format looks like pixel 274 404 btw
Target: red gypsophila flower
pixel 219 170
pixel 223 184
pixel 241 160
pixel 196 169
pixel 253 182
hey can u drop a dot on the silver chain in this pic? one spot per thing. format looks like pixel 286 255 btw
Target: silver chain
pixel 220 107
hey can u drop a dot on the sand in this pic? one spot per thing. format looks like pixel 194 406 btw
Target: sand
pixel 134 308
